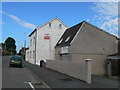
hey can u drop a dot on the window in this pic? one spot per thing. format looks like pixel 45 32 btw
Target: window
pixel 60 41
pixel 30 54
pixel 49 24
pixel 60 26
pixel 67 39
pixel 34 41
pixel 33 54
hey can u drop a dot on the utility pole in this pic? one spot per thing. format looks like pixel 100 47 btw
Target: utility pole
pixel 24 45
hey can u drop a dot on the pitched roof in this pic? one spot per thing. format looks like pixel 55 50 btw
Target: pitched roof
pixel 68 35
pixel 51 21
pixel 47 23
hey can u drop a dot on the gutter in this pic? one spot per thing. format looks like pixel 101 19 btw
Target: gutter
pixel 35 46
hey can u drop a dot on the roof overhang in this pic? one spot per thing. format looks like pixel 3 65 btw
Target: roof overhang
pixel 33 32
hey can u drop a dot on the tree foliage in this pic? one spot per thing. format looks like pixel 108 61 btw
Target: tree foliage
pixel 22 52
pixel 9 46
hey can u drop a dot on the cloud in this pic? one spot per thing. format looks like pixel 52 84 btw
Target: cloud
pixel 19 21
pixel 22 23
pixel 106 16
pixel 113 23
pixel 2 22
pixel 106 8
pixel 2 12
pixel 88 20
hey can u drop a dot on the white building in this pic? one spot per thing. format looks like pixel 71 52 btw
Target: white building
pixel 43 40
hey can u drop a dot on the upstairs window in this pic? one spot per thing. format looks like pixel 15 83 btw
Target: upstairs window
pixel 49 24
pixel 33 54
pixel 60 41
pixel 60 26
pixel 67 39
pixel 30 54
pixel 34 41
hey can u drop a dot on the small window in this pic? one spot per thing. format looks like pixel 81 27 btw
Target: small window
pixel 67 39
pixel 60 41
pixel 33 54
pixel 30 54
pixel 34 41
pixel 60 26
pixel 49 24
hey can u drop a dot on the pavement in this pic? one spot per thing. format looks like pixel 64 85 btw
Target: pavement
pixel 54 79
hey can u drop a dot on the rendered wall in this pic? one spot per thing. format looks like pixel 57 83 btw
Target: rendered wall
pixel 98 62
pixel 45 48
pixel 91 40
pixel 31 49
pixel 27 55
pixel 77 70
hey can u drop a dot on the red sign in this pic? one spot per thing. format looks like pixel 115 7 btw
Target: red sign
pixel 47 36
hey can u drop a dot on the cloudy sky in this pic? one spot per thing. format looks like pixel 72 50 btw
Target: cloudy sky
pixel 20 18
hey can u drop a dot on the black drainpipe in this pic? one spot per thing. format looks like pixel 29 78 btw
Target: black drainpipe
pixel 35 45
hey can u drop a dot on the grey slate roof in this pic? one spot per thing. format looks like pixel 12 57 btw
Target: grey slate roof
pixel 70 32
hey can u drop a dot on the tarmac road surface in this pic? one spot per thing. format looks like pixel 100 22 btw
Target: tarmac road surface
pixel 15 77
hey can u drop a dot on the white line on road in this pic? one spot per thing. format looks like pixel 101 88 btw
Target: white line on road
pixel 30 85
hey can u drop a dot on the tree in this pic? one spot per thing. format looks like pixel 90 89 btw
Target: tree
pixel 9 46
pixel 2 45
pixel 22 52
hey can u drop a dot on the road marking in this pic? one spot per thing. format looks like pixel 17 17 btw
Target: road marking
pixel 38 78
pixel 30 85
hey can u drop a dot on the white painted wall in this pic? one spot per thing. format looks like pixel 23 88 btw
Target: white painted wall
pixel 45 48
pixel 27 55
pixel 31 56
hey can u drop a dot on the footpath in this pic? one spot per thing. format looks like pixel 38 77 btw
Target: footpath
pixel 58 80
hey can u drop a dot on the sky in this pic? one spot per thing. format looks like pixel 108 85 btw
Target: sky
pixel 19 19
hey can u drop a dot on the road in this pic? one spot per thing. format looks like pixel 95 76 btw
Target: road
pixel 26 78
pixel 55 79
pixel 15 77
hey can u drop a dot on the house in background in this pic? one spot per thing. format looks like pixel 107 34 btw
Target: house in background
pixel 85 41
pixel 27 54
pixel 43 40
